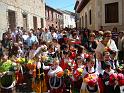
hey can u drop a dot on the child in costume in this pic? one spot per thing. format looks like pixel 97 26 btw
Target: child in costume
pixel 109 80
pixel 77 76
pixel 90 80
pixel 67 62
pixel 55 73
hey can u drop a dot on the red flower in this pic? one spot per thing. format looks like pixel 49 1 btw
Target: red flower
pixel 86 56
pixel 107 49
pixel 120 79
pixel 120 76
pixel 112 79
pixel 91 79
pixel 60 74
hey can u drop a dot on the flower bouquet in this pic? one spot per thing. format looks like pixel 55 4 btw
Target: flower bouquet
pixel 30 65
pixel 112 79
pixel 91 79
pixel 107 49
pixel 48 60
pixel 78 73
pixel 44 58
pixel 7 66
pixel 59 74
pixel 120 79
pixel 21 60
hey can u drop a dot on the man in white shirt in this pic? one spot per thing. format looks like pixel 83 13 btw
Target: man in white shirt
pixel 46 36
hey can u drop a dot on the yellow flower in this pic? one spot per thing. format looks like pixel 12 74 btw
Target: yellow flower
pixel 80 70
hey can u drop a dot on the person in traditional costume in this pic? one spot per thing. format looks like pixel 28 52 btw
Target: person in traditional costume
pixel 106 43
pixel 77 76
pixel 39 84
pixel 55 73
pixel 114 62
pixel 109 57
pixel 90 80
pixel 73 52
pixel 109 82
pixel 67 62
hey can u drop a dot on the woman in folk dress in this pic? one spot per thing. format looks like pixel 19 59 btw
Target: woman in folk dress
pixel 106 43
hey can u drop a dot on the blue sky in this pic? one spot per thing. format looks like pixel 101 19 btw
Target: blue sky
pixel 62 4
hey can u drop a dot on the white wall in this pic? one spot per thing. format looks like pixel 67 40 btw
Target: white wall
pixel 69 20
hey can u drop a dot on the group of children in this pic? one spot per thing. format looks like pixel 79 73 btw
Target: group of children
pixel 69 67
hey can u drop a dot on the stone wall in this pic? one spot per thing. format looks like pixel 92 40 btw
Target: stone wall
pixel 85 11
pixel 97 8
pixel 29 7
pixel 54 19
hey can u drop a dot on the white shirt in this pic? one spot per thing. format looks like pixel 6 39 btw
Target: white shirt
pixel 100 47
pixel 53 72
pixel 46 36
pixel 25 37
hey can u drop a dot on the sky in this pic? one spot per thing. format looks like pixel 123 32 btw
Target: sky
pixel 62 4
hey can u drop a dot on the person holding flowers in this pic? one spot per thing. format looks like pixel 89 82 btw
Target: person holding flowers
pixel 106 44
pixel 90 77
pixel 55 73
pixel 77 75
pixel 38 81
pixel 109 80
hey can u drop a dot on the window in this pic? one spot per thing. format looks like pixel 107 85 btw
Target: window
pixel 42 23
pixel 35 22
pixel 85 19
pixel 24 21
pixel 90 17
pixel 111 13
pixel 82 21
pixel 56 16
pixel 11 19
pixel 52 15
pixel 48 15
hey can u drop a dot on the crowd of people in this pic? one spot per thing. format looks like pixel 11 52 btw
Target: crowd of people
pixel 62 61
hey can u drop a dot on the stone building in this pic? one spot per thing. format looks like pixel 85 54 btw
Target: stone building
pixel 24 13
pixel 53 18
pixel 96 13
